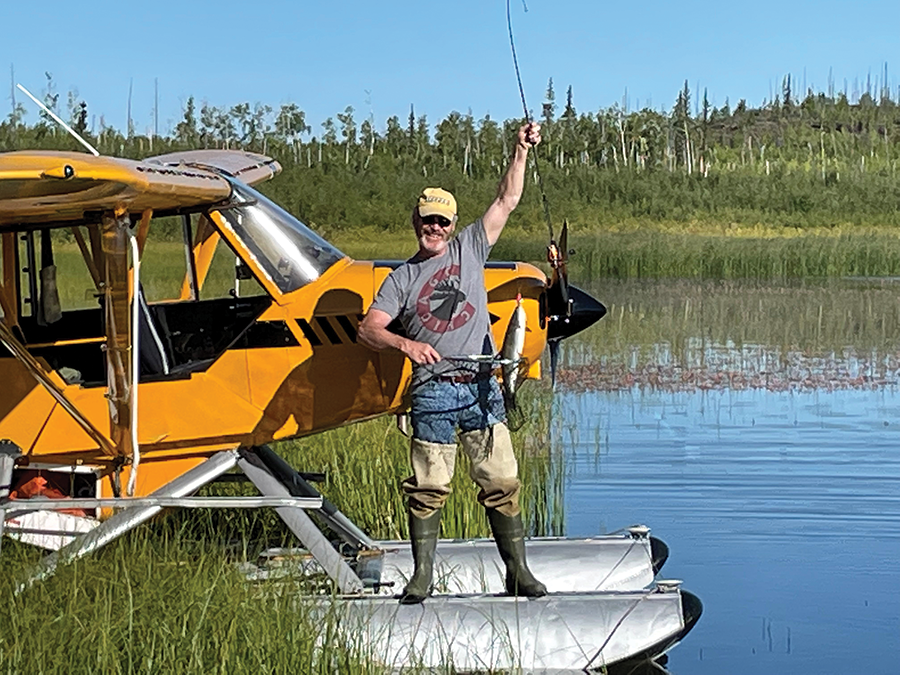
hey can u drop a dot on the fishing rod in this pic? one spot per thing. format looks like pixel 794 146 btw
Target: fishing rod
pixel 557 253
pixel 484 359
pixel 512 43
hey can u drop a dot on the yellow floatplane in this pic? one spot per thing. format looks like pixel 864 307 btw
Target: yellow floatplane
pixel 116 408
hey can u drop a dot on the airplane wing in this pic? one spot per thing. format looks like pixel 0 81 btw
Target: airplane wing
pixel 41 186
pixel 248 167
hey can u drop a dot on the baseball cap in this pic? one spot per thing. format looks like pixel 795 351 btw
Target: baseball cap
pixel 437 201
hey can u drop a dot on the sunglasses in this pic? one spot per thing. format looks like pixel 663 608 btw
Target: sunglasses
pixel 436 220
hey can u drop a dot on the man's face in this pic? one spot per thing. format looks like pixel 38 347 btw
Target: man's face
pixel 433 233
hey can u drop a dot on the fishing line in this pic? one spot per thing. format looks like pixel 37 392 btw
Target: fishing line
pixel 537 168
pixel 616 566
pixel 618 625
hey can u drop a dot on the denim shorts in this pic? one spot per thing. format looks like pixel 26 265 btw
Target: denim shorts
pixel 440 406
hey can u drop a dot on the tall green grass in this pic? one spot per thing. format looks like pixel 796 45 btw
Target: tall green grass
pixel 678 255
pixel 758 253
pixel 653 250
pixel 167 597
pixel 164 599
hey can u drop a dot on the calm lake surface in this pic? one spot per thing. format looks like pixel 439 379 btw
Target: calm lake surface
pixel 766 454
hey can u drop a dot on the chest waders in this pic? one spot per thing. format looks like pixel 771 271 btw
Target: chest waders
pixel 494 470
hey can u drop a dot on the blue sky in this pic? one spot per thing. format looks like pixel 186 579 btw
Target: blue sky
pixel 380 57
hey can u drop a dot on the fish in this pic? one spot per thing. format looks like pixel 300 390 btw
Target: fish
pixel 511 355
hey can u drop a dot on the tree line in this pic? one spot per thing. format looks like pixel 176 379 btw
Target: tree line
pixel 816 158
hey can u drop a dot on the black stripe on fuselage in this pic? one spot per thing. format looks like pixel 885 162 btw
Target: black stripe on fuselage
pixel 348 326
pixel 328 329
pixel 309 333
pixel 277 333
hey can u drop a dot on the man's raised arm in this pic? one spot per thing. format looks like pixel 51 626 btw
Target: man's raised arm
pixel 511 185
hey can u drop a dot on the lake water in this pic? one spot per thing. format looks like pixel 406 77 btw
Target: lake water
pixel 777 496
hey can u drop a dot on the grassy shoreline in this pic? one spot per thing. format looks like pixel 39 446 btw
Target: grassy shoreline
pixel 632 249
pixel 699 249
pixel 167 597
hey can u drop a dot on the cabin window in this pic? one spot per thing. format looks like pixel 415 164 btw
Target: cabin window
pixel 184 258
pixel 200 307
pixel 164 260
pixel 57 299
pixel 219 272
pixel 286 250
pixel 58 269
pixel 228 276
pixel 192 307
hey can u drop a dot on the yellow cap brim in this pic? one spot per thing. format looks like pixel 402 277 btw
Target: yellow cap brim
pixel 436 209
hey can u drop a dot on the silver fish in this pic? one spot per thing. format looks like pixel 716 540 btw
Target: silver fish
pixel 511 354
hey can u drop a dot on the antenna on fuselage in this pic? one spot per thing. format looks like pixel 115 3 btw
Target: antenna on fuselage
pixel 57 119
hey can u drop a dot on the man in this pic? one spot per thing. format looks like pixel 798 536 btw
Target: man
pixel 439 297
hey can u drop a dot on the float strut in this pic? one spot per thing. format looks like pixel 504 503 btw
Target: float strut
pixel 299 523
pixel 298 486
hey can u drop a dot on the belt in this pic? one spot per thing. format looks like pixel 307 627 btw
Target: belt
pixel 463 378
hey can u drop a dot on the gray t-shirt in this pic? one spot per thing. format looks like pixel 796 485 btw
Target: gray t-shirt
pixel 442 301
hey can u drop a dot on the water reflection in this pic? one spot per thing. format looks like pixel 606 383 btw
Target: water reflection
pixel 701 364
pixel 684 335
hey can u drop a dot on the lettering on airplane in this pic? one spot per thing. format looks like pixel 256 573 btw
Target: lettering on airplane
pixel 166 171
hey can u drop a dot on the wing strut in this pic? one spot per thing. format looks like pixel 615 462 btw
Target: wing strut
pixel 88 257
pixel 121 377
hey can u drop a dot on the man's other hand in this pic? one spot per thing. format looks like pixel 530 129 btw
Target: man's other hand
pixel 421 353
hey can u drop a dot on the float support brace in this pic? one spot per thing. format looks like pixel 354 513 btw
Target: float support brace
pixel 301 524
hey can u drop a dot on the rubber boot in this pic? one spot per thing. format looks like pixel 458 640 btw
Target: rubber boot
pixel 509 533
pixel 423 534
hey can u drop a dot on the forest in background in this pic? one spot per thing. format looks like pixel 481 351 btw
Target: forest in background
pixel 816 161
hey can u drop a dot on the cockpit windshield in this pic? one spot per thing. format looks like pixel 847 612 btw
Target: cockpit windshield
pixel 286 250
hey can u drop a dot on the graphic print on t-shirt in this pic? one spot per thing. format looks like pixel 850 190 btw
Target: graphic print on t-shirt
pixel 442 305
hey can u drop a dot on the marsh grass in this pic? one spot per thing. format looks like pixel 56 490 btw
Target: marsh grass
pixel 752 253
pixel 678 255
pixel 164 602
pixel 646 249
pixel 628 250
pixel 813 315
pixel 167 597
